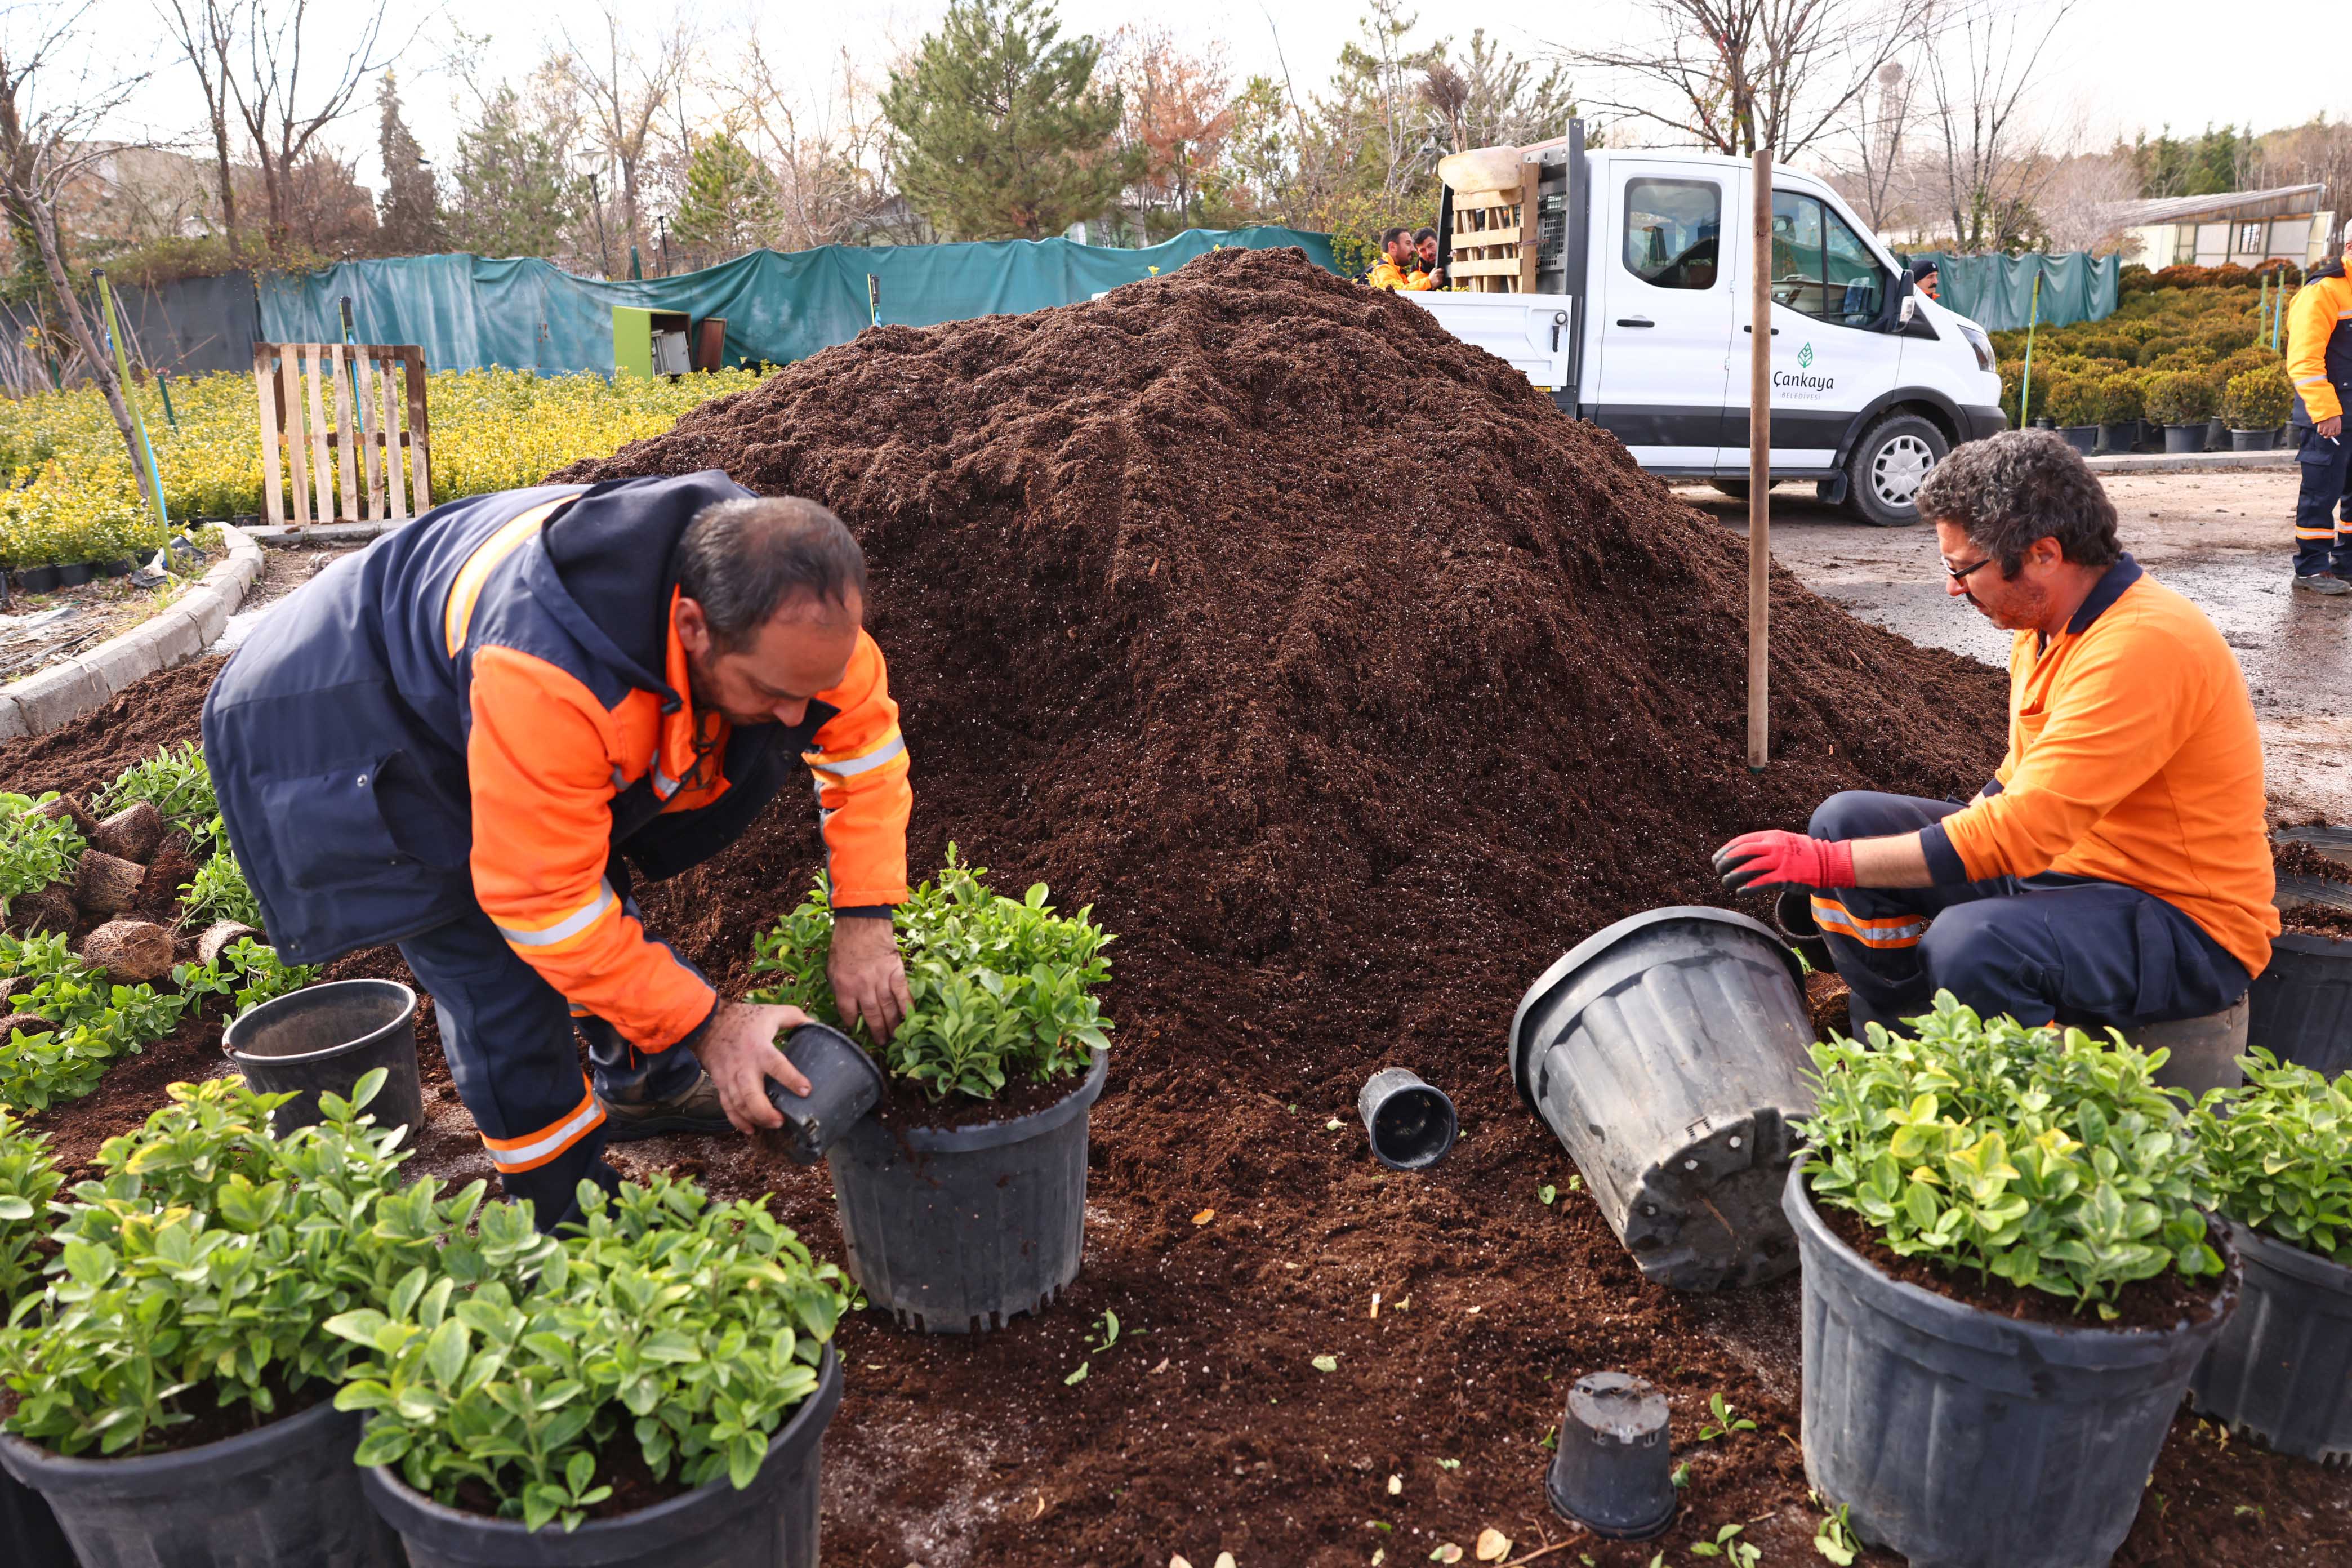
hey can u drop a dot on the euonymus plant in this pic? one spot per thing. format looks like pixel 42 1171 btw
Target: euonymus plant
pixel 686 1327
pixel 33 850
pixel 176 782
pixel 1003 988
pixel 2040 1156
pixel 203 1270
pixel 2280 1149
pixel 27 1182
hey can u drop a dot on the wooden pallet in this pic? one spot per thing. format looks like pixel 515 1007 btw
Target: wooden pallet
pixel 1494 248
pixel 353 468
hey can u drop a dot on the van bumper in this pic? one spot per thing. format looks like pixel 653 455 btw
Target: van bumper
pixel 1978 422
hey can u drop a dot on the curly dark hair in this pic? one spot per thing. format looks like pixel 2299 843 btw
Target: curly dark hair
pixel 2008 490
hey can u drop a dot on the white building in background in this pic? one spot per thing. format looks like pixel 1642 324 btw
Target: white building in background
pixel 2242 228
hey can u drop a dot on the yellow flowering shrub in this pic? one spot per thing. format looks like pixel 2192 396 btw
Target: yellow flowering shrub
pixel 72 496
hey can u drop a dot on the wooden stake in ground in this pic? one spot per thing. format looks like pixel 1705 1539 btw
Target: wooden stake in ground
pixel 1759 475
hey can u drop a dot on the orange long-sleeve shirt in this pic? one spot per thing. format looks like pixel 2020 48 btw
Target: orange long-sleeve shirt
pixel 2133 758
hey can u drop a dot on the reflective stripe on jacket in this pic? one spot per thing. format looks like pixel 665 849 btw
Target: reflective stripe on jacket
pixel 2319 348
pixel 485 706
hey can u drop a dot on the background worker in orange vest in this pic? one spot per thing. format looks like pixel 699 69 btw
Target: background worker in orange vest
pixel 465 738
pixel 2319 362
pixel 1394 270
pixel 2116 869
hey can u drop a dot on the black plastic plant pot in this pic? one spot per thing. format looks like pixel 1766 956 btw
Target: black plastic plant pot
pixel 2179 439
pixel 326 1037
pixel 957 1229
pixel 1613 1471
pixel 287 1496
pixel 1962 1439
pixel 73 574
pixel 2119 438
pixel 38 579
pixel 843 1085
pixel 1410 1125
pixel 120 566
pixel 1792 917
pixel 2249 440
pixel 771 1523
pixel 2301 1004
pixel 29 1536
pixel 1667 1053
pixel 2083 438
pixel 2282 1368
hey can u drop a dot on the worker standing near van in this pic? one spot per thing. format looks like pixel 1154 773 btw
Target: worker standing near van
pixel 460 739
pixel 2319 362
pixel 1394 270
pixel 1424 249
pixel 2116 869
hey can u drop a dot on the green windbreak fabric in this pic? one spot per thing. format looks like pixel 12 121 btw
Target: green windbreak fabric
pixel 1996 292
pixel 472 311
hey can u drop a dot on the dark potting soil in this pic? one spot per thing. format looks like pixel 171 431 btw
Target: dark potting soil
pixel 2294 857
pixel 84 756
pixel 620 1465
pixel 904 1105
pixel 2318 919
pixel 2165 1301
pixel 1353 685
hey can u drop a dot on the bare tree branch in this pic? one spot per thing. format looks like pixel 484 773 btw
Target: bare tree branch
pixel 268 89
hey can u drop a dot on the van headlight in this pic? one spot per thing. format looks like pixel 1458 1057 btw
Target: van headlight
pixel 1978 342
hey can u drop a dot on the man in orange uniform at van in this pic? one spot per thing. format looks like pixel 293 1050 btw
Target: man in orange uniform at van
pixel 463 739
pixel 2116 869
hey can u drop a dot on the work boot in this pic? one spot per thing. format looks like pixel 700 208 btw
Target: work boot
pixel 696 1109
pixel 2322 583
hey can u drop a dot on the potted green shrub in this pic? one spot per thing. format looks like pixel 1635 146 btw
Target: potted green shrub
pixel 2119 411
pixel 174 1376
pixel 966 1210
pixel 2004 1260
pixel 2254 405
pixel 29 1536
pixel 652 1388
pixel 2074 404
pixel 2182 402
pixel 2280 1151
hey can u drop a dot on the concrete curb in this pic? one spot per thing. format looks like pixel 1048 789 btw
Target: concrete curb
pixel 2192 463
pixel 88 680
pixel 283 538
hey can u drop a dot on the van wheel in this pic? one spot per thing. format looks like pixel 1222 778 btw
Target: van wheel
pixel 1735 489
pixel 1890 461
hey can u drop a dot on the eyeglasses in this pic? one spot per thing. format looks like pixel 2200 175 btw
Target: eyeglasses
pixel 1960 574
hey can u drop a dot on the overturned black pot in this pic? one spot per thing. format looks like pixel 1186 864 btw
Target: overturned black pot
pixel 1410 1125
pixel 1612 1471
pixel 958 1230
pixel 843 1085
pixel 326 1037
pixel 287 1496
pixel 771 1523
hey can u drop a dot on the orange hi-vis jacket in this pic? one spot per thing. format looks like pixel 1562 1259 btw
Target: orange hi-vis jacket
pixel 1388 275
pixel 2319 348
pixel 2133 758
pixel 491 706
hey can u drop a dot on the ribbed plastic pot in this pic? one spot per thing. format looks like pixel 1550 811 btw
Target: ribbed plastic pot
pixel 2119 438
pixel 328 1037
pixel 1410 1125
pixel 771 1523
pixel 285 1497
pixel 843 1085
pixel 1667 1053
pixel 1965 1439
pixel 2283 1366
pixel 2179 439
pixel 1611 1471
pixel 957 1229
pixel 29 1536
pixel 2301 1004
pixel 2083 438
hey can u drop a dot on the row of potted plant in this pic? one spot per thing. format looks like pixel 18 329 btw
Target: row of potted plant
pixel 217 1314
pixel 2018 1253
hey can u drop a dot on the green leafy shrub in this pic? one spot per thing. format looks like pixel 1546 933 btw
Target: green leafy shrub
pixel 2012 384
pixel 693 1326
pixel 246 972
pixel 2154 349
pixel 1001 987
pixel 2280 1151
pixel 91 1022
pixel 27 1182
pixel 203 1270
pixel 2075 401
pixel 2219 334
pixel 219 891
pixel 35 851
pixel 2109 347
pixel 176 782
pixel 2037 1156
pixel 2178 397
pixel 2258 399
pixel 2244 360
pixel 2119 398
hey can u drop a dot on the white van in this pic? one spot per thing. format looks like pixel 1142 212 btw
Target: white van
pixel 1641 321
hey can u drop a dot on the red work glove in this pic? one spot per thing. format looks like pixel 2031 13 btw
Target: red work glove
pixel 1763 860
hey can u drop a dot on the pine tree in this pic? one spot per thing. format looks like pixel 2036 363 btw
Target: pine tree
pixel 410 207
pixel 515 192
pixel 1001 132
pixel 729 204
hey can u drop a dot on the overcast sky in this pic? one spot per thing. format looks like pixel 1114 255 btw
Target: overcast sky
pixel 2116 66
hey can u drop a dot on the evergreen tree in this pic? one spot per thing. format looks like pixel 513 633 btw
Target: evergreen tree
pixel 410 207
pixel 514 189
pixel 1001 132
pixel 729 204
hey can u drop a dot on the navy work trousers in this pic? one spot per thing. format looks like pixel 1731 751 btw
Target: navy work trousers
pixel 2068 949
pixel 2323 508
pixel 508 1038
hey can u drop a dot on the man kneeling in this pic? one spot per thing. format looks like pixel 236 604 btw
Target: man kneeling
pixel 2116 869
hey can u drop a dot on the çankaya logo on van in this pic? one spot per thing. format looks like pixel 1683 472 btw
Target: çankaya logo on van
pixel 1799 380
